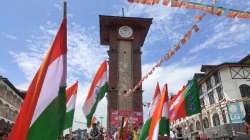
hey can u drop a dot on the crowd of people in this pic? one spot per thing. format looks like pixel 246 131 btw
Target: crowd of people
pixel 130 132
pixel 97 132
pixel 3 135
pixel 5 129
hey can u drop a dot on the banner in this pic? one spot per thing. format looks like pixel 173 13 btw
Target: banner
pixel 134 118
pixel 235 113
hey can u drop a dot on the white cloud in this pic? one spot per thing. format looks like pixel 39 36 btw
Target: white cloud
pixel 84 52
pixel 165 25
pixel 23 86
pixel 79 119
pixel 225 35
pixel 169 24
pixel 84 56
pixel 8 36
pixel 175 75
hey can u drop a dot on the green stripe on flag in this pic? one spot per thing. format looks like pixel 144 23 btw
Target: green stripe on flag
pixel 69 117
pixel 121 129
pixel 99 97
pixel 191 97
pixel 145 129
pixel 49 124
pixel 164 128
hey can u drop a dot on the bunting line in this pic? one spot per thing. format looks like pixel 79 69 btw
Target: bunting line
pixel 218 11
pixel 169 54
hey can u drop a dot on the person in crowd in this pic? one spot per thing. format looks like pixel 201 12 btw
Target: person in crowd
pixel 130 133
pixel 247 122
pixel 101 136
pixel 135 133
pixel 116 134
pixel 94 133
pixel 3 136
pixel 61 137
pixel 105 135
pixel 172 134
pixel 67 137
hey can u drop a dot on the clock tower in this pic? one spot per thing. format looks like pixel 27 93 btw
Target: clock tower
pixel 125 37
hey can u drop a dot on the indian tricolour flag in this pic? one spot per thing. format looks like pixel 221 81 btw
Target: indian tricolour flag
pixel 124 129
pixel 42 113
pixel 159 119
pixel 70 105
pixel 145 129
pixel 186 102
pixel 97 91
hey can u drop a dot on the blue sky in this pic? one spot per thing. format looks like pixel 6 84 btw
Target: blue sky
pixel 27 29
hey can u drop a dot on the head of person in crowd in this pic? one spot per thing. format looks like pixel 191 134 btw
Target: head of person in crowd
pixel 101 130
pixel 3 136
pixel 61 137
pixel 94 125
pixel 67 137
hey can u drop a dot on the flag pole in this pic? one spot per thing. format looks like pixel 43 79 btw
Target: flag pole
pixel 70 132
pixel 65 9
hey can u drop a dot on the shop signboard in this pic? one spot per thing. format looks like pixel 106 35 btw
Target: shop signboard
pixel 235 113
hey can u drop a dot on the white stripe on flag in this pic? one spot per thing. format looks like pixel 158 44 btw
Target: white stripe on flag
pixel 176 102
pixel 71 103
pixel 153 105
pixel 50 88
pixel 91 101
pixel 156 131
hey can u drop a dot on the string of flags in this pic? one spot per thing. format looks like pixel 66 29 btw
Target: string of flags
pixel 228 101
pixel 211 9
pixel 171 52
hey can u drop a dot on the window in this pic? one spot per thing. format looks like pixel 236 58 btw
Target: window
pixel 202 102
pixel 11 114
pixel 198 125
pixel 15 114
pixel 245 92
pixel 208 83
pixel 224 116
pixel 1 86
pixel 205 122
pixel 2 123
pixel 191 127
pixel 216 119
pixel 217 78
pixel 220 93
pixel 1 90
pixel 6 111
pixel 1 108
pixel 9 96
pixel 200 91
pixel 211 98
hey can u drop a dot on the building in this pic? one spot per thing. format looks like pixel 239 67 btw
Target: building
pixel 125 37
pixel 221 90
pixel 10 102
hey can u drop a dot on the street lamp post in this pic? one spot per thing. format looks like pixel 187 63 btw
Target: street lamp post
pixel 101 117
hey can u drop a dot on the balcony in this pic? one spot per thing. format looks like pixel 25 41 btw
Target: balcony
pixel 226 130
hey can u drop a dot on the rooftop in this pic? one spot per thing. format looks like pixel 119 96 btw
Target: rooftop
pixel 110 22
pixel 210 69
pixel 18 91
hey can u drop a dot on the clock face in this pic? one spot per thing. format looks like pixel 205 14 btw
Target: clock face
pixel 125 31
